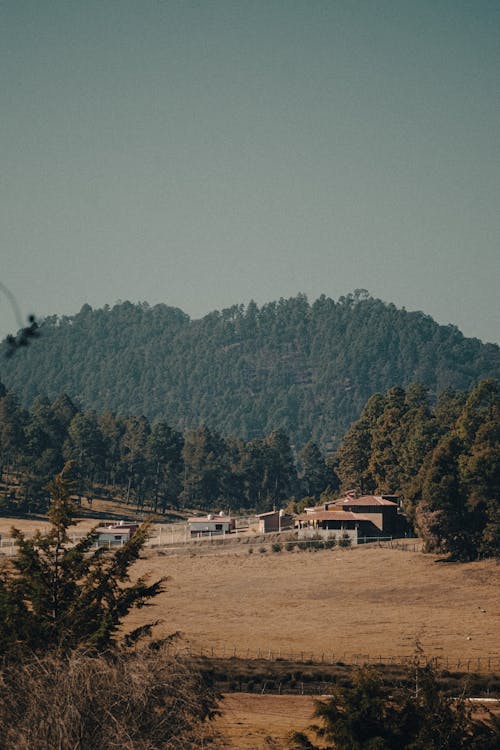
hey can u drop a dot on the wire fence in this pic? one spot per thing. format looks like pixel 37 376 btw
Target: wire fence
pixel 473 664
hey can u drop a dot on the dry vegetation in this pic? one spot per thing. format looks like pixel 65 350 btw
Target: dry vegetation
pixel 251 722
pixel 138 701
pixel 360 601
pixel 346 602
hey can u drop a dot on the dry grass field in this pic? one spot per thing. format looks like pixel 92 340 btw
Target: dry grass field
pixel 263 722
pixel 364 600
pixel 361 601
pixel 252 722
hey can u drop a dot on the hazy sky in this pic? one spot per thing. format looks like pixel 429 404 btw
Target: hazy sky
pixel 207 153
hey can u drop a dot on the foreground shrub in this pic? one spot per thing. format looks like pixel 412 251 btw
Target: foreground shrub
pixel 69 679
pixel 140 700
pixel 412 716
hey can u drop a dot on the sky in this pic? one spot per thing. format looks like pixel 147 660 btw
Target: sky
pixel 203 154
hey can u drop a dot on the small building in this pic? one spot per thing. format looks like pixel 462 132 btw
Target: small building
pixel 274 520
pixel 211 525
pixel 115 535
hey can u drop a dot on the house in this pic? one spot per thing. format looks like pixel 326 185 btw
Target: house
pixel 115 535
pixel 381 510
pixel 334 523
pixel 274 520
pixel 211 525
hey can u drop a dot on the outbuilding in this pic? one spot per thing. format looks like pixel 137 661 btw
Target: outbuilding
pixel 274 520
pixel 115 535
pixel 211 525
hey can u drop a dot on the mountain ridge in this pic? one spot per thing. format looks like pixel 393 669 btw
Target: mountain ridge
pixel 308 368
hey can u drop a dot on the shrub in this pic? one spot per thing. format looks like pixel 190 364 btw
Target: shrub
pixel 250 550
pixel 133 700
pixel 366 714
pixel 345 540
pixel 330 543
pixel 276 547
pixel 262 550
pixel 290 546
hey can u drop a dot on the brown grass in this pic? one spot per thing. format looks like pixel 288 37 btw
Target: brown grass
pixel 145 700
pixel 252 722
pixel 360 601
pixel 263 722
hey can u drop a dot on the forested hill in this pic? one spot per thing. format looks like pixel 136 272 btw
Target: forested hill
pixel 306 368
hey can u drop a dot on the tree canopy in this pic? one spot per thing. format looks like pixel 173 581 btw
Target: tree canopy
pixel 307 369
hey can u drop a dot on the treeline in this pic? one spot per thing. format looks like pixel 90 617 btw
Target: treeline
pixel 151 466
pixel 307 369
pixel 443 459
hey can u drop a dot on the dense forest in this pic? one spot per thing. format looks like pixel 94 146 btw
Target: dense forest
pixel 442 458
pixel 153 466
pixel 307 369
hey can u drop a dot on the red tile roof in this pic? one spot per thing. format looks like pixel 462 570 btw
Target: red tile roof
pixel 332 515
pixel 364 500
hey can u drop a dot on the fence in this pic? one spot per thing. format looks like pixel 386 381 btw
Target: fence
pixel 476 664
pixel 174 537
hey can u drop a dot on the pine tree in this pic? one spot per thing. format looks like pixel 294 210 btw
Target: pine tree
pixel 414 715
pixel 59 595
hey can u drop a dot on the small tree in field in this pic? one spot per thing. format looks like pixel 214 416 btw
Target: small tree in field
pixel 415 716
pixel 66 680
pixel 58 595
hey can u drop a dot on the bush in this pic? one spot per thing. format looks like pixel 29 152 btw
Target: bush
pixel 290 546
pixel 134 700
pixel 276 547
pixel 366 714
pixel 345 540
pixel 330 543
pixel 250 550
pixel 262 550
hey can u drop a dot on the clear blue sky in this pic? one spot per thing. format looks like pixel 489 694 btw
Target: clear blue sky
pixel 207 153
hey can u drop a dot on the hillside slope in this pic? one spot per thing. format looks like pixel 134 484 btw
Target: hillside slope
pixel 307 368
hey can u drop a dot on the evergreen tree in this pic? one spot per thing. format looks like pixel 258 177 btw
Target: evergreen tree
pixel 280 474
pixel 59 595
pixel 165 464
pixel 316 476
pixel 416 716
pixel 354 454
pixel 206 468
